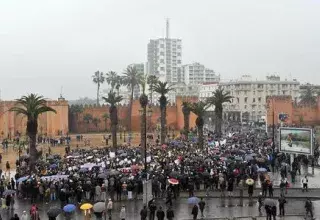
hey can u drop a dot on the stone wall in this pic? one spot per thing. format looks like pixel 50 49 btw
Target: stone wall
pixel 174 117
pixel 297 114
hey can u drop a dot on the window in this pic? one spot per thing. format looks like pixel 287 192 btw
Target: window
pixel 259 99
pixel 162 53
pixel 254 92
pixel 254 100
pixel 246 99
pixel 179 61
pixel 162 61
pixel 161 45
pixel 162 68
pixel 245 106
pixel 237 100
pixel 245 93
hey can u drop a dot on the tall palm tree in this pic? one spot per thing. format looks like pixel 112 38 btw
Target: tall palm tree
pixel 105 118
pixel 111 78
pixel 219 97
pixel 118 84
pixel 32 106
pixel 98 78
pixel 152 80
pixel 96 122
pixel 113 100
pixel 87 118
pixel 307 97
pixel 131 79
pixel 143 122
pixel 163 88
pixel 186 109
pixel 199 109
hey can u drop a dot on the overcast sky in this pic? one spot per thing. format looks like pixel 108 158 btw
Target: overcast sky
pixel 48 44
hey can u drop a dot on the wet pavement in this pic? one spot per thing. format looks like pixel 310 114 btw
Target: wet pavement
pixel 215 208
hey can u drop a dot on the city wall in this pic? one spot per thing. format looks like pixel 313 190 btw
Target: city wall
pixel 297 114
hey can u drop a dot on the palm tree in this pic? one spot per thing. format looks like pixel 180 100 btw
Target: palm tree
pixel 152 80
pixel 219 97
pixel 113 100
pixel 143 121
pixel 131 79
pixel 74 114
pixel 87 118
pixel 199 109
pixel 186 109
pixel 105 118
pixel 307 97
pixel 96 122
pixel 32 106
pixel 163 88
pixel 98 79
pixel 111 78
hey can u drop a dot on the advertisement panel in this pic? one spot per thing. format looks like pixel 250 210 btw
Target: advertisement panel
pixel 296 140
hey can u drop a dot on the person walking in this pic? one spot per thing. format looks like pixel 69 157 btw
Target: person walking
pixel 144 213
pixel 202 204
pixel 24 216
pixel 309 208
pixel 260 201
pixel 160 214
pixel 268 212
pixel 304 184
pixel 194 212
pixel 15 217
pixel 109 208
pixel 274 212
pixel 282 201
pixel 270 189
pixel 123 213
pixel 170 214
pixel 152 208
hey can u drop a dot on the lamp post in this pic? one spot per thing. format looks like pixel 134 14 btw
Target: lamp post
pixel 143 114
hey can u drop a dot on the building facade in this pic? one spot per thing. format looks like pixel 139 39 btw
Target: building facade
pixel 196 73
pixel 165 59
pixel 250 96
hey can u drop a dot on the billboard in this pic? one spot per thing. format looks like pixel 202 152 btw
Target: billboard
pixel 296 140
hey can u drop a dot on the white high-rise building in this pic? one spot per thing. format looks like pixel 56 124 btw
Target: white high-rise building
pixel 165 58
pixel 196 73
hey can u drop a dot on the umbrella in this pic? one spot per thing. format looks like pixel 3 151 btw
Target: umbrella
pixel 193 200
pixel 69 208
pixel 238 159
pixel 83 170
pixel 173 181
pixel 114 172
pixel 270 202
pixel 248 158
pixel 261 160
pixel 86 206
pixel 9 192
pixel 208 160
pixel 53 166
pixel 124 179
pixel 174 174
pixel 123 155
pixel 205 174
pixel 21 179
pixel 262 170
pixel 99 207
pixel 253 154
pixel 102 176
pixel 53 212
pixel 250 182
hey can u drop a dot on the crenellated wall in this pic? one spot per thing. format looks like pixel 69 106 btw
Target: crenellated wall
pixel 174 117
pixel 49 123
pixel 298 114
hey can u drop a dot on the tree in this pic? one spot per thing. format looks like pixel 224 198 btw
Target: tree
pixel 98 79
pixel 219 97
pixel 87 118
pixel 199 109
pixel 113 100
pixel 143 122
pixel 307 97
pixel 112 78
pixel 96 122
pixel 131 79
pixel 152 80
pixel 105 118
pixel 31 106
pixel 163 89
pixel 186 109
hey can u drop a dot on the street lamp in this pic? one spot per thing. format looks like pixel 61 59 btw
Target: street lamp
pixel 149 114
pixel 143 114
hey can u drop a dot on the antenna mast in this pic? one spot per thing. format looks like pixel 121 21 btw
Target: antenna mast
pixel 167 29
